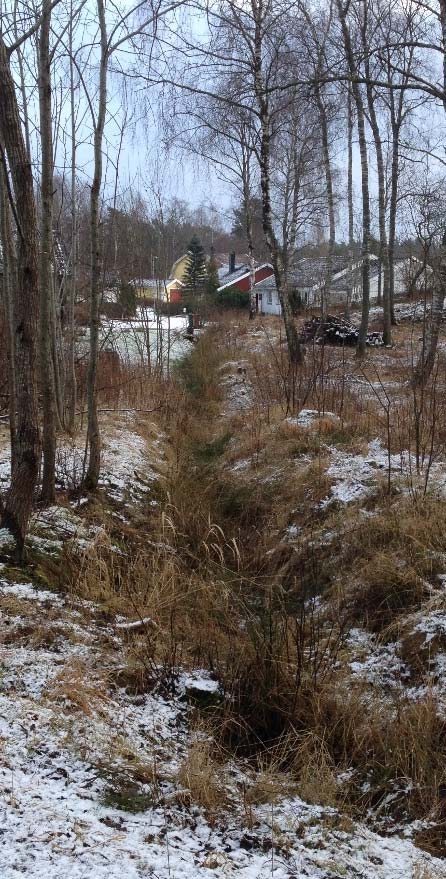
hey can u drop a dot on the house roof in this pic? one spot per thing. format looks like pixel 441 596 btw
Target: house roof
pixel 311 271
pixel 267 283
pixel 349 278
pixel 229 278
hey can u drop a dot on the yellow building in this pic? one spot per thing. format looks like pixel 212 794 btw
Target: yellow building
pixel 154 289
pixel 179 267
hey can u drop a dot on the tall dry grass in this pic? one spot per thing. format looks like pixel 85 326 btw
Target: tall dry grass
pixel 215 585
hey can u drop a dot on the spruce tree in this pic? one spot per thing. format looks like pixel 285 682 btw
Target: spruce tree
pixel 195 274
pixel 213 281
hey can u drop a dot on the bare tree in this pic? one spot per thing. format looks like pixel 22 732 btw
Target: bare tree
pixel 367 40
pixel 26 456
pixel 46 253
pixel 360 117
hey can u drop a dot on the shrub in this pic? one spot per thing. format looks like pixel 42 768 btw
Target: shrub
pixel 231 297
pixel 127 300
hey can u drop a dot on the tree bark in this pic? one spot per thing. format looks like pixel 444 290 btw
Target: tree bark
pixel 393 204
pixel 48 491
pixel 25 473
pixel 329 193
pixel 365 249
pixel 94 437
pixel 9 273
pixel 350 198
pixel 383 244
pixel 294 347
pixel 427 357
pixel 70 386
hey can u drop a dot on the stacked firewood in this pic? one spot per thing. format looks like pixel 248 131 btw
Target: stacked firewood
pixel 334 330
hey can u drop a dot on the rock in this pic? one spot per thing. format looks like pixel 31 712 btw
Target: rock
pixel 214 860
pixel 201 692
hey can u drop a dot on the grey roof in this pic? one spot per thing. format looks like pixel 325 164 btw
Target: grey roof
pixel 226 277
pixel 311 271
pixel 267 283
pixel 349 279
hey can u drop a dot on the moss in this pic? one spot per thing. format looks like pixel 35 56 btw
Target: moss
pixel 127 797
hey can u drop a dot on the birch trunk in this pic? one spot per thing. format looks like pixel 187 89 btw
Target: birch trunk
pixel 48 492
pixel 71 280
pixel 329 193
pixel 350 198
pixel 383 244
pixel 365 249
pixel 294 347
pixel 25 473
pixel 8 299
pixel 427 358
pixel 94 437
pixel 248 223
pixel 393 204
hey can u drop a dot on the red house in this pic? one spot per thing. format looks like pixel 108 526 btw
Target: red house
pixel 240 276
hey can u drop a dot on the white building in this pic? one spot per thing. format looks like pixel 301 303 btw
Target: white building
pixel 308 279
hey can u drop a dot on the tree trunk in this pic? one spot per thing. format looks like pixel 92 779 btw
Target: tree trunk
pixel 48 493
pixel 383 245
pixel 8 289
pixel 25 473
pixel 393 204
pixel 294 347
pixel 350 199
pixel 94 437
pixel 329 193
pixel 70 386
pixel 365 250
pixel 427 358
pixel 252 273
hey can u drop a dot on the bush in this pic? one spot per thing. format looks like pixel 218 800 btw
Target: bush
pixel 112 310
pixel 231 297
pixel 127 300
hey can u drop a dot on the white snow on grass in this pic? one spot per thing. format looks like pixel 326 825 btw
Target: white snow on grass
pixel 129 466
pixel 355 477
pixel 56 527
pixel 29 592
pixel 67 771
pixel 381 665
pixel 308 417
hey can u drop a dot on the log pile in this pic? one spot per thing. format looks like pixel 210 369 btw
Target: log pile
pixel 334 330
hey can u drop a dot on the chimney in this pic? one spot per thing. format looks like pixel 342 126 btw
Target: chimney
pixel 232 262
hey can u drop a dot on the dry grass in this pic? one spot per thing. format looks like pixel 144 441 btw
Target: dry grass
pixel 387 586
pixel 316 771
pixel 202 780
pixel 222 593
pixel 268 786
pixel 77 689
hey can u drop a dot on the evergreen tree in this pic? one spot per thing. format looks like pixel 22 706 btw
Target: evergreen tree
pixel 195 274
pixel 213 281
pixel 127 300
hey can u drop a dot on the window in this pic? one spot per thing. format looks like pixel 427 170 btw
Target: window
pixel 269 298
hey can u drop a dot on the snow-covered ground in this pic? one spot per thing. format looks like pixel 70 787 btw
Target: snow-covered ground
pixel 131 339
pixel 89 775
